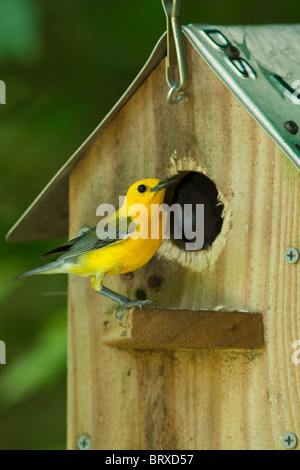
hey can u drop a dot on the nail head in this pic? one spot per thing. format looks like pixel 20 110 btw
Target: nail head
pixel 232 52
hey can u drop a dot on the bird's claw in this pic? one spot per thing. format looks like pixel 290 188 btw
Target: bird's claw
pixel 127 305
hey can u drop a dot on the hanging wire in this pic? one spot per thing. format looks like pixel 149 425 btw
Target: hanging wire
pixel 176 70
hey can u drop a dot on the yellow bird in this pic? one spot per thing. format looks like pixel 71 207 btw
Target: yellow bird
pixel 128 241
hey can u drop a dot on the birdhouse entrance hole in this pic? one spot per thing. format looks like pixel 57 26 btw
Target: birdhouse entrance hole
pixel 196 188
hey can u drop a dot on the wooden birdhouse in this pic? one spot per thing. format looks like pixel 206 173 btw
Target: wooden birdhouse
pixel 213 365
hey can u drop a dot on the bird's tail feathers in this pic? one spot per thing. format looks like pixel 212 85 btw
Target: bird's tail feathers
pixel 49 268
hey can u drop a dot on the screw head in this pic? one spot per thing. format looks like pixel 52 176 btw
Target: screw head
pixel 291 127
pixel 289 440
pixel 82 230
pixel 84 442
pixel 291 255
pixel 232 52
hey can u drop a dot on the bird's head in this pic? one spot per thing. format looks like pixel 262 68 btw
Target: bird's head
pixel 148 191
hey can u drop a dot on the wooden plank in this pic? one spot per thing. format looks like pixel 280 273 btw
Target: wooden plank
pixel 182 328
pixel 203 398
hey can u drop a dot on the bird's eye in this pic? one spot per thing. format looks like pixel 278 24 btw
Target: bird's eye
pixel 142 188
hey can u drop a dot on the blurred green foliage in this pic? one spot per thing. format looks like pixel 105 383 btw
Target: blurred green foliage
pixel 65 64
pixel 19 30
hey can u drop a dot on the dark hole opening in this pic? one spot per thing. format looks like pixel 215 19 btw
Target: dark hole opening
pixel 195 188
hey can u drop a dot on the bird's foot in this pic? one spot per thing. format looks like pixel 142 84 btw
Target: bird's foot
pixel 122 308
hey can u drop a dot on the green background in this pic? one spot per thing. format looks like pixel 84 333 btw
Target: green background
pixel 65 63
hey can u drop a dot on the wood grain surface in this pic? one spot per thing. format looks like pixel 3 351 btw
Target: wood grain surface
pixel 184 329
pixel 200 398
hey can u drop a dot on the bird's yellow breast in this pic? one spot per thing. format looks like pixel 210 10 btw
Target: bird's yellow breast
pixel 124 256
pixel 120 258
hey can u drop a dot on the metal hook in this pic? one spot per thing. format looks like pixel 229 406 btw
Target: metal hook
pixel 176 62
pixel 177 98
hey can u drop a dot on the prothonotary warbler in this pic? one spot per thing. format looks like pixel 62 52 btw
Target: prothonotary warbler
pixel 128 241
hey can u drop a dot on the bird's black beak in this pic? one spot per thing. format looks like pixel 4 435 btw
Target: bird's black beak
pixel 164 184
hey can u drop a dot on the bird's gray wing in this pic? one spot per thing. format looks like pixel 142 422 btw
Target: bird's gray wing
pixel 109 233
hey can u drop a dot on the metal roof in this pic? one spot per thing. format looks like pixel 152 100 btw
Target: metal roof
pixel 264 77
pixel 259 64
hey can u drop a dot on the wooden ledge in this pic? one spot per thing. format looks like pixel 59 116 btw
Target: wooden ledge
pixel 180 328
